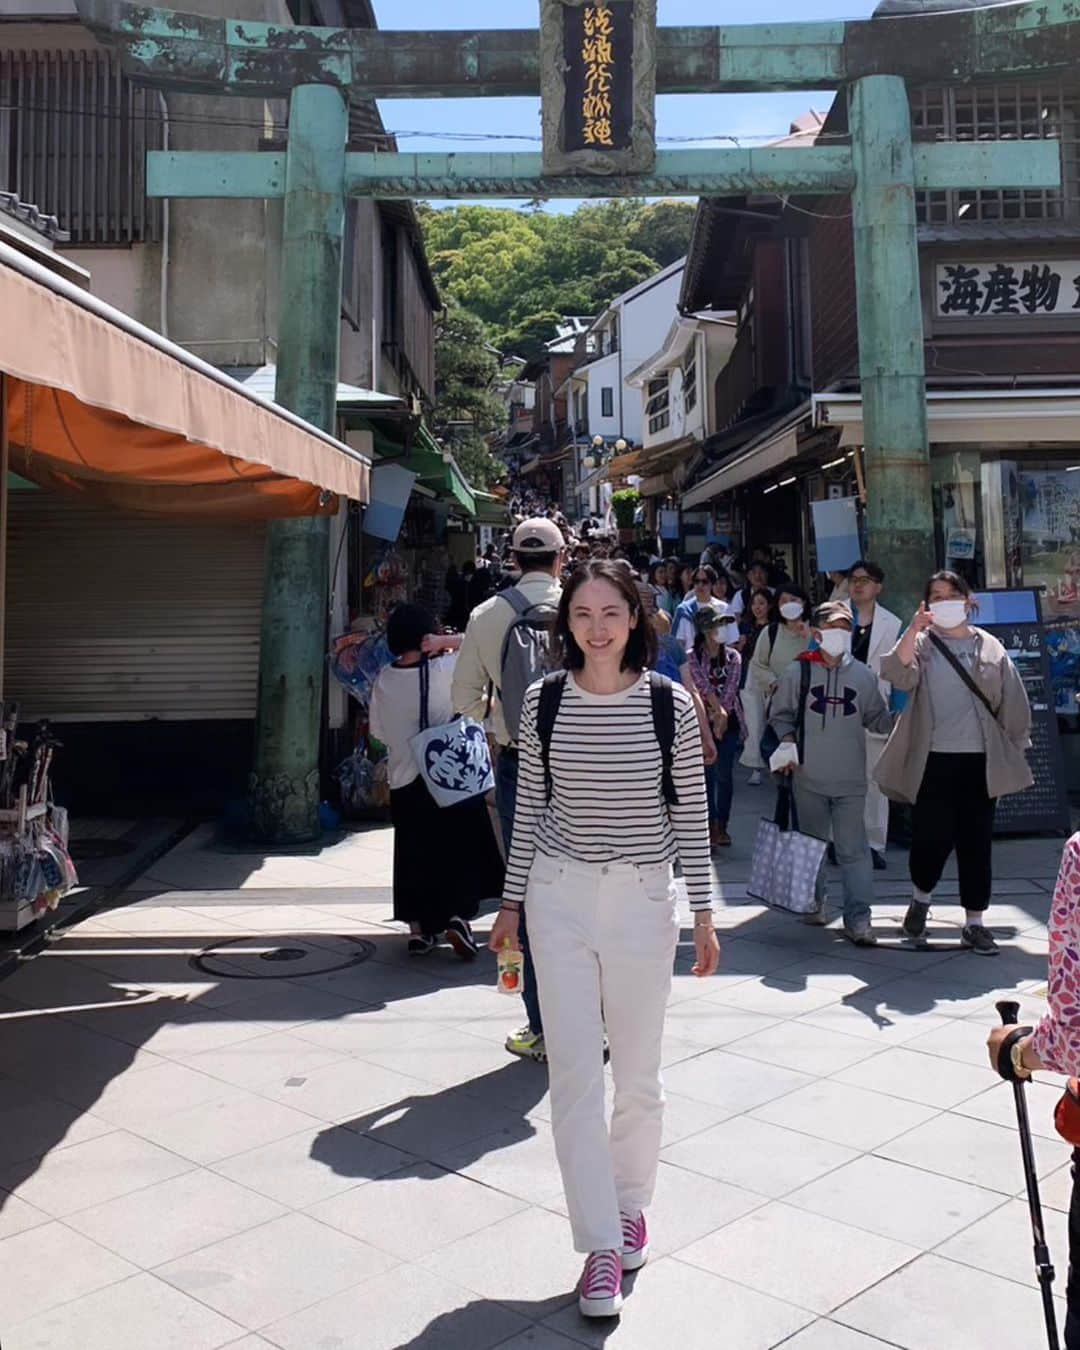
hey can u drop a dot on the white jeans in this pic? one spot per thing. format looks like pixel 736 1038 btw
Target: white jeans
pixel 877 804
pixel 603 936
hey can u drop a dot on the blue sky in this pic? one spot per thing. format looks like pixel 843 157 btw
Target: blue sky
pixel 703 116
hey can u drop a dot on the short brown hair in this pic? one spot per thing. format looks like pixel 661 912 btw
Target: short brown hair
pixel 640 649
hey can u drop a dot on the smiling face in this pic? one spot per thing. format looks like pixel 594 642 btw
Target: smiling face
pixel 601 623
pixel 759 608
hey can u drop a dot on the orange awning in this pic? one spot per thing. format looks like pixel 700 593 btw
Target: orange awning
pixel 99 405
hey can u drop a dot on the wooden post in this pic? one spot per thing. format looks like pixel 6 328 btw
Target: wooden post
pixel 284 786
pixel 891 357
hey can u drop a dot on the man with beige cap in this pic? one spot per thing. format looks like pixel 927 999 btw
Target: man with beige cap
pixel 504 636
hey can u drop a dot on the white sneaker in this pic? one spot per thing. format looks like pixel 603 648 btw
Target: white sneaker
pixel 755 779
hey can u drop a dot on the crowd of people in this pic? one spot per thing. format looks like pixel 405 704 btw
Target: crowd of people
pixel 619 690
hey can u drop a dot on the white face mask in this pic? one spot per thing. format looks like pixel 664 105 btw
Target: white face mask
pixel 949 613
pixel 835 641
pixel 792 610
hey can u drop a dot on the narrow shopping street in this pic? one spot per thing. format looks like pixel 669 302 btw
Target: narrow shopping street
pixel 286 1145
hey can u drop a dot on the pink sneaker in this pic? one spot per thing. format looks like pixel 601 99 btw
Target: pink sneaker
pixel 635 1241
pixel 600 1289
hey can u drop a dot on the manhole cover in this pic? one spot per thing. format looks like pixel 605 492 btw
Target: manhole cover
pixel 278 957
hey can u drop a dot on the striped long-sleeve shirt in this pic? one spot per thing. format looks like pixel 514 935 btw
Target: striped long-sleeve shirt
pixel 607 802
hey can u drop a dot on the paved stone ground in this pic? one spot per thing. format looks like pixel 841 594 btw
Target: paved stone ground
pixel 194 1159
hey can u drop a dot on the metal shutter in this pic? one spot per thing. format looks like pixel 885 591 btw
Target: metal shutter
pixel 114 617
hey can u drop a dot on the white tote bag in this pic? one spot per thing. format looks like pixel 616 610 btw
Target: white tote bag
pixel 453 759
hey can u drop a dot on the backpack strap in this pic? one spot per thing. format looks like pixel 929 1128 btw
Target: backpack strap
pixel 551 692
pixel 517 600
pixel 663 715
pixel 774 628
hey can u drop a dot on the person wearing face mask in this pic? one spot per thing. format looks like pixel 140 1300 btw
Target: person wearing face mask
pixel 957 747
pixel 826 703
pixel 786 637
pixel 715 666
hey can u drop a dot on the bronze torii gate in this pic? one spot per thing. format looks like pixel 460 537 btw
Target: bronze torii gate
pixel 598 65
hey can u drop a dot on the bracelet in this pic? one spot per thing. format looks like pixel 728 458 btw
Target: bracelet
pixel 511 906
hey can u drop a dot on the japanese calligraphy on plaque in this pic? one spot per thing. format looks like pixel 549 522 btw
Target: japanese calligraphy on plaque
pixel 598 85
pixel 980 290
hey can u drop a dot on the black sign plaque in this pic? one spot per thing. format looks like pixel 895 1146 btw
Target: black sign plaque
pixel 1014 619
pixel 598 85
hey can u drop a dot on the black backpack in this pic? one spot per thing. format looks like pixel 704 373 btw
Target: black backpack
pixel 663 716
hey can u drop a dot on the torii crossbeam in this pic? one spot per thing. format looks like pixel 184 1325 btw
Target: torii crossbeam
pixel 319 69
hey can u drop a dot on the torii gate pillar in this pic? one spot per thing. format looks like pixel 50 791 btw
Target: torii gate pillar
pixel 284 784
pixel 892 360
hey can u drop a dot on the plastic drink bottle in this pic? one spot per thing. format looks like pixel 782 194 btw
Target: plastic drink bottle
pixel 509 962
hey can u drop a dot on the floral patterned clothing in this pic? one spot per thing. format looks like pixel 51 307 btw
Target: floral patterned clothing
pixel 721 682
pixel 1057 1037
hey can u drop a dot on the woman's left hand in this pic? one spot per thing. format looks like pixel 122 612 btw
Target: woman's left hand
pixel 707 945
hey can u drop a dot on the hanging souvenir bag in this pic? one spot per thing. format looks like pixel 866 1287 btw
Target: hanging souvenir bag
pixel 453 759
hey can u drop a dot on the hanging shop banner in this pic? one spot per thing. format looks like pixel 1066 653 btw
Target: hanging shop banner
pixel 598 85
pixel 836 533
pixel 390 488
pixel 1063 650
pixel 988 290
pixel 1014 619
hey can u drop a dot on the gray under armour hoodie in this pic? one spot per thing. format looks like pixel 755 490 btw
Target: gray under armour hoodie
pixel 843 703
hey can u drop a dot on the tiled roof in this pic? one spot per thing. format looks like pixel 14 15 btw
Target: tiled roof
pixel 49 226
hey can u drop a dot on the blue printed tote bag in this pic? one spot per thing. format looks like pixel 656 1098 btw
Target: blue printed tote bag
pixel 453 759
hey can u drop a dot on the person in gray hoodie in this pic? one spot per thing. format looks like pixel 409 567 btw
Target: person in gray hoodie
pixel 825 703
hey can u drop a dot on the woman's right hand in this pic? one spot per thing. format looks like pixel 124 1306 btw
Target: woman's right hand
pixel 504 931
pixel 922 619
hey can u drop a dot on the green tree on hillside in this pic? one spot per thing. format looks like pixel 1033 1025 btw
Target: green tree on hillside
pixel 466 406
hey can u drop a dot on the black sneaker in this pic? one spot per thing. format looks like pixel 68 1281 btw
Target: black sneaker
pixel 420 944
pixel 460 937
pixel 979 938
pixel 914 925
pixel 878 859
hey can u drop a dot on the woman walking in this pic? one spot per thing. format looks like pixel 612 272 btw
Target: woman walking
pixel 957 747
pixel 600 818
pixel 755 618
pixel 432 894
pixel 715 668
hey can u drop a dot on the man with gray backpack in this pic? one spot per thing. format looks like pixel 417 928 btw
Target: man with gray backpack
pixel 507 646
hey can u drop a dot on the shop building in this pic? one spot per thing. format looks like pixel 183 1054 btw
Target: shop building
pixel 74 132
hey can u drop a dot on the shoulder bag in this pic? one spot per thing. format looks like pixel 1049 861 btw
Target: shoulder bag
pixel 454 759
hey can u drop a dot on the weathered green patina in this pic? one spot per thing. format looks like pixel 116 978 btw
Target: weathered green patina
pixel 881 169
pixel 891 360
pixel 284 787
pixel 828 169
pixel 177 50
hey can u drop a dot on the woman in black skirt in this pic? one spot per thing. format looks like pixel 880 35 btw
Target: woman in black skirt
pixel 446 858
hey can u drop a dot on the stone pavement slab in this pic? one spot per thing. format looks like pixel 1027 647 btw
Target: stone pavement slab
pixel 351 1159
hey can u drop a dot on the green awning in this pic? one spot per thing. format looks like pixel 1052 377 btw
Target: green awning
pixel 490 510
pixel 434 468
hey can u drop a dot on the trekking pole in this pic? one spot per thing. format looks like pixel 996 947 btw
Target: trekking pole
pixel 1010 1012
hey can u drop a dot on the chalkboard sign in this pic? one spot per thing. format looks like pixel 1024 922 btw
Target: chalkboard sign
pixel 1014 619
